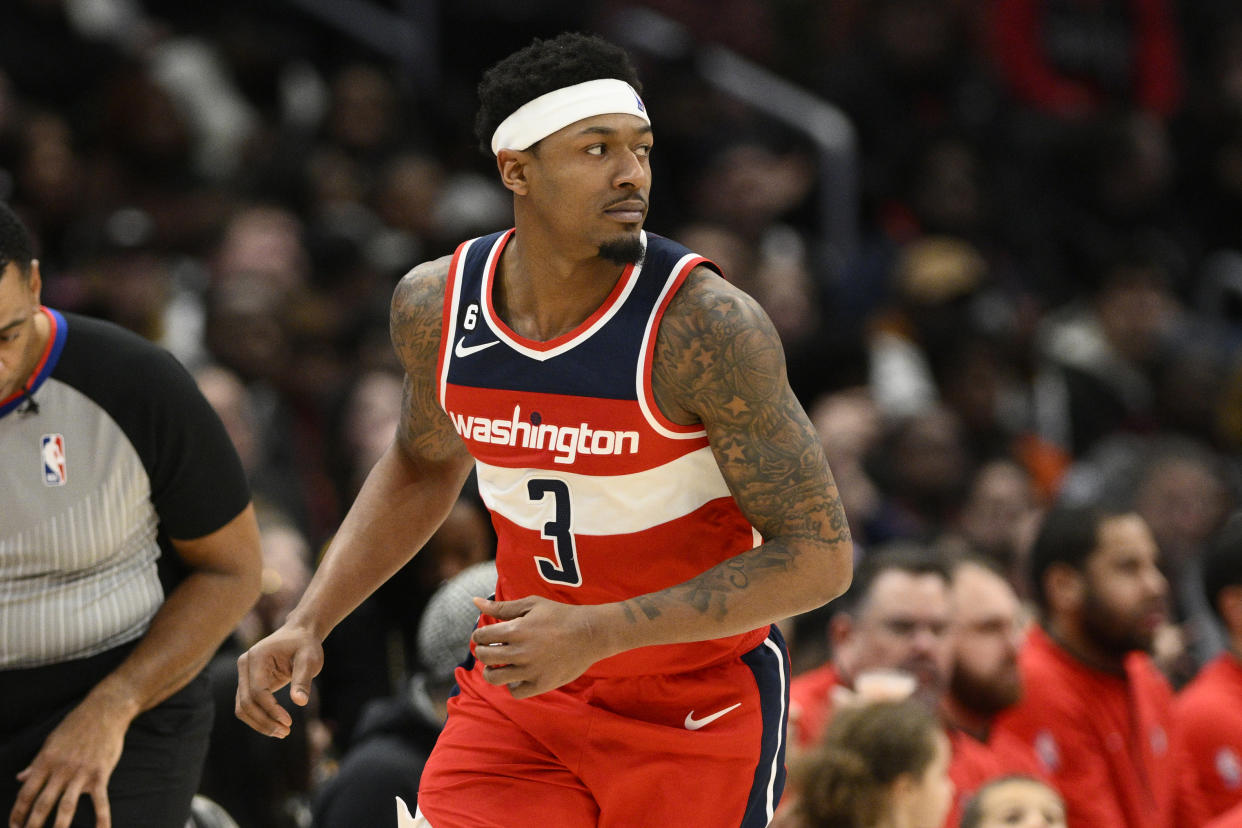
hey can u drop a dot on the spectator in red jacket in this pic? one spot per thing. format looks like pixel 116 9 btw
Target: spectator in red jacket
pixel 985 636
pixel 1209 709
pixel 1096 710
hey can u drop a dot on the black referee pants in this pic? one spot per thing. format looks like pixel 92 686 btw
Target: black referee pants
pixel 160 765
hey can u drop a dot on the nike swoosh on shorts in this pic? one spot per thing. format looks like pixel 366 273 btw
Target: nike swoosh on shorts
pixel 694 724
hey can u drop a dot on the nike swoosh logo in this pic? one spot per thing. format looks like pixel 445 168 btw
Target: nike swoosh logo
pixel 463 350
pixel 694 724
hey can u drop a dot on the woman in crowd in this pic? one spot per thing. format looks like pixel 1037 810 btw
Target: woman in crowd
pixel 882 764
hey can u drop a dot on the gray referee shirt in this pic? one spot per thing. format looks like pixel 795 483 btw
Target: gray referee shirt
pixel 114 451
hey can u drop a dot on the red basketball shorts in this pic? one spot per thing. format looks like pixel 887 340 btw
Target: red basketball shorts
pixel 697 750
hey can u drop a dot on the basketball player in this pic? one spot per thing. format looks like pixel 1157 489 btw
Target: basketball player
pixel 660 497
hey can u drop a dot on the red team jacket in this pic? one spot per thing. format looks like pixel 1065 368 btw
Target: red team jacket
pixel 810 705
pixel 974 762
pixel 1108 742
pixel 1230 819
pixel 1209 713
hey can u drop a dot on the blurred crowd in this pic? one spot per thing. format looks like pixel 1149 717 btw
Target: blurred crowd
pixel 1043 303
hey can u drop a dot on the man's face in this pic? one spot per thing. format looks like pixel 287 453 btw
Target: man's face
pixel 591 180
pixel 1001 496
pixel 19 302
pixel 903 624
pixel 985 637
pixel 1124 591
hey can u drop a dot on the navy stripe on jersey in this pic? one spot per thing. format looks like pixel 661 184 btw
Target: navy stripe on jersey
pixel 770 664
pixel 600 365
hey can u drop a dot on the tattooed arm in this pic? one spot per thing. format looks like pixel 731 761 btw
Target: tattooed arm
pixel 405 498
pixel 718 362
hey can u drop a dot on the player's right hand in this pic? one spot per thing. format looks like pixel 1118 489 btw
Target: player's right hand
pixel 288 656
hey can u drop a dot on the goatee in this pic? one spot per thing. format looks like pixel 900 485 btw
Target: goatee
pixel 623 251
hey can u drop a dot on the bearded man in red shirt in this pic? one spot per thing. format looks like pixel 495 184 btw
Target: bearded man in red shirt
pixel 1096 709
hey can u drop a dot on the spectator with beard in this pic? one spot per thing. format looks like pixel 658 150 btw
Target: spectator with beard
pixel 1095 709
pixel 895 616
pixel 985 636
pixel 1207 709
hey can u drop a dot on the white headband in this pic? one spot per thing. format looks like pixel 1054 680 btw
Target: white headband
pixel 539 118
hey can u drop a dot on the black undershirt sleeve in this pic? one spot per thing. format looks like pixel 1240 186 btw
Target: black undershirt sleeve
pixel 197 481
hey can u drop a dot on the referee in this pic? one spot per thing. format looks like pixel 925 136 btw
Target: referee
pixel 128 552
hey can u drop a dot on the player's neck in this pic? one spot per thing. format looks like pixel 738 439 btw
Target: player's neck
pixel 543 292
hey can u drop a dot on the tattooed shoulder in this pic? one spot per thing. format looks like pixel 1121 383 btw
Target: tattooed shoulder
pixel 720 357
pixel 414 323
pixel 715 346
pixel 416 312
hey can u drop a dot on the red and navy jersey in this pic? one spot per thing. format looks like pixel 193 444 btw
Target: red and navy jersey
pixel 594 494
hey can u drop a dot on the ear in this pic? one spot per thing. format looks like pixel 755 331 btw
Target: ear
pixel 512 165
pixel 36 281
pixel 840 626
pixel 1229 602
pixel 1064 585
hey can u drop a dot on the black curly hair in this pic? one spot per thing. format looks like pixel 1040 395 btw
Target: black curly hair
pixel 542 67
pixel 15 244
pixel 1069 535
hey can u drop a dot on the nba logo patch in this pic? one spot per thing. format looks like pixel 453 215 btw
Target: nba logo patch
pixel 1047 751
pixel 54 473
pixel 1159 741
pixel 1229 766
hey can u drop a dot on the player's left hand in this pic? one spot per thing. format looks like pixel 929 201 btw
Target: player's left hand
pixel 538 645
pixel 77 758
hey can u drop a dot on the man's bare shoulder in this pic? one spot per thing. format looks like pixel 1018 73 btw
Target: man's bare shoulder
pixel 422 289
pixel 707 293
pixel 715 340
pixel 417 308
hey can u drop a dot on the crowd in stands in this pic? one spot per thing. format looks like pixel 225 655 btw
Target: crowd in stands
pixel 1042 311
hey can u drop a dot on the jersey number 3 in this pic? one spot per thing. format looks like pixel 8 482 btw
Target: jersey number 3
pixel 562 568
